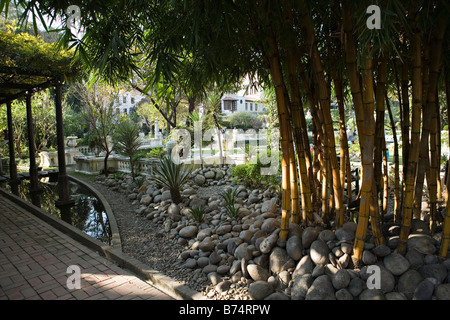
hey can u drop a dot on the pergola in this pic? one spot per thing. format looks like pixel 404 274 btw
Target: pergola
pixel 28 65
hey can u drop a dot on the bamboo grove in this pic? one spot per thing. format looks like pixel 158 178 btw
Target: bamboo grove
pixel 320 53
pixel 313 53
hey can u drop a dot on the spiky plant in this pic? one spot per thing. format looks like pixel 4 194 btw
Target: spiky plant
pixel 230 201
pixel 198 213
pixel 171 175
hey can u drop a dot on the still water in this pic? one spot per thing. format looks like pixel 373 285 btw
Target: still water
pixel 87 214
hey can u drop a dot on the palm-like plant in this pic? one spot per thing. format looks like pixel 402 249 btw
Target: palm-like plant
pixel 230 200
pixel 171 175
pixel 198 213
pixel 128 141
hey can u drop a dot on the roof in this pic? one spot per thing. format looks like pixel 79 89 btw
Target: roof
pixel 28 63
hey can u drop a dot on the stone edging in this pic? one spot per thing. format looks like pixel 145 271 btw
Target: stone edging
pixel 164 283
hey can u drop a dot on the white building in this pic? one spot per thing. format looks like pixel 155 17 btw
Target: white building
pixel 126 100
pixel 245 100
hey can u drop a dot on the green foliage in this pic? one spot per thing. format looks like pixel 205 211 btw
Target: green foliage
pixel 157 152
pixel 198 213
pixel 127 140
pixel 171 175
pixel 139 182
pixel 244 120
pixel 250 175
pixel 230 203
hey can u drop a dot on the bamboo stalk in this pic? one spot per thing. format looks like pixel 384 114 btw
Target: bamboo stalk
pixel 324 95
pixel 415 138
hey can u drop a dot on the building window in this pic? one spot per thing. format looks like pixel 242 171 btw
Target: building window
pixel 117 111
pixel 234 105
pixel 246 106
pixel 132 100
pixel 124 99
pixel 125 111
pixel 251 106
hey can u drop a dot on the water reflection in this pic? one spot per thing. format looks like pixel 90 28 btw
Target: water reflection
pixel 87 214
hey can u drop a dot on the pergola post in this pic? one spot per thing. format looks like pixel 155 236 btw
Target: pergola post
pixel 12 155
pixel 31 146
pixel 64 202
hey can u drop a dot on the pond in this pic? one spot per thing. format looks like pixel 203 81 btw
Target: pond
pixel 87 214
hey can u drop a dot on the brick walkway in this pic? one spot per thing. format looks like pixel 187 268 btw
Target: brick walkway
pixel 34 258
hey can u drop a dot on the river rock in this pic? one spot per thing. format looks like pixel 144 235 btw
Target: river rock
pixel 278 257
pixel 356 286
pixel 269 206
pixel 442 292
pixel 209 268
pixel 214 258
pixel 277 296
pixel 188 232
pixel 258 290
pixel 209 174
pixel 321 289
pixel 146 200
pixel 202 262
pixel 395 296
pixel 269 225
pixel 199 180
pixel 396 263
pixel 166 195
pixel 268 243
pixel 257 272
pixel 381 251
pixel 304 266
pixel 301 286
pixel 422 243
pixel 368 257
pixel 174 212
pixel 327 235
pixel 197 202
pixel 408 282
pixel 243 252
pixel 309 235
pixel 341 279
pixel 424 290
pixel 371 294
pixel 344 234
pixel 294 247
pixel 437 271
pixel 319 252
pixel 223 229
pixel 415 258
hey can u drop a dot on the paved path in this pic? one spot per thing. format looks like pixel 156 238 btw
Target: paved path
pixel 34 258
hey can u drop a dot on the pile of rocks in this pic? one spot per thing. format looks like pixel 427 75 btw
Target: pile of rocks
pixel 244 258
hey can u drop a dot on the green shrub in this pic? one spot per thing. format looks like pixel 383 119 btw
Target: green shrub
pixel 250 175
pixel 230 201
pixel 198 213
pixel 171 175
